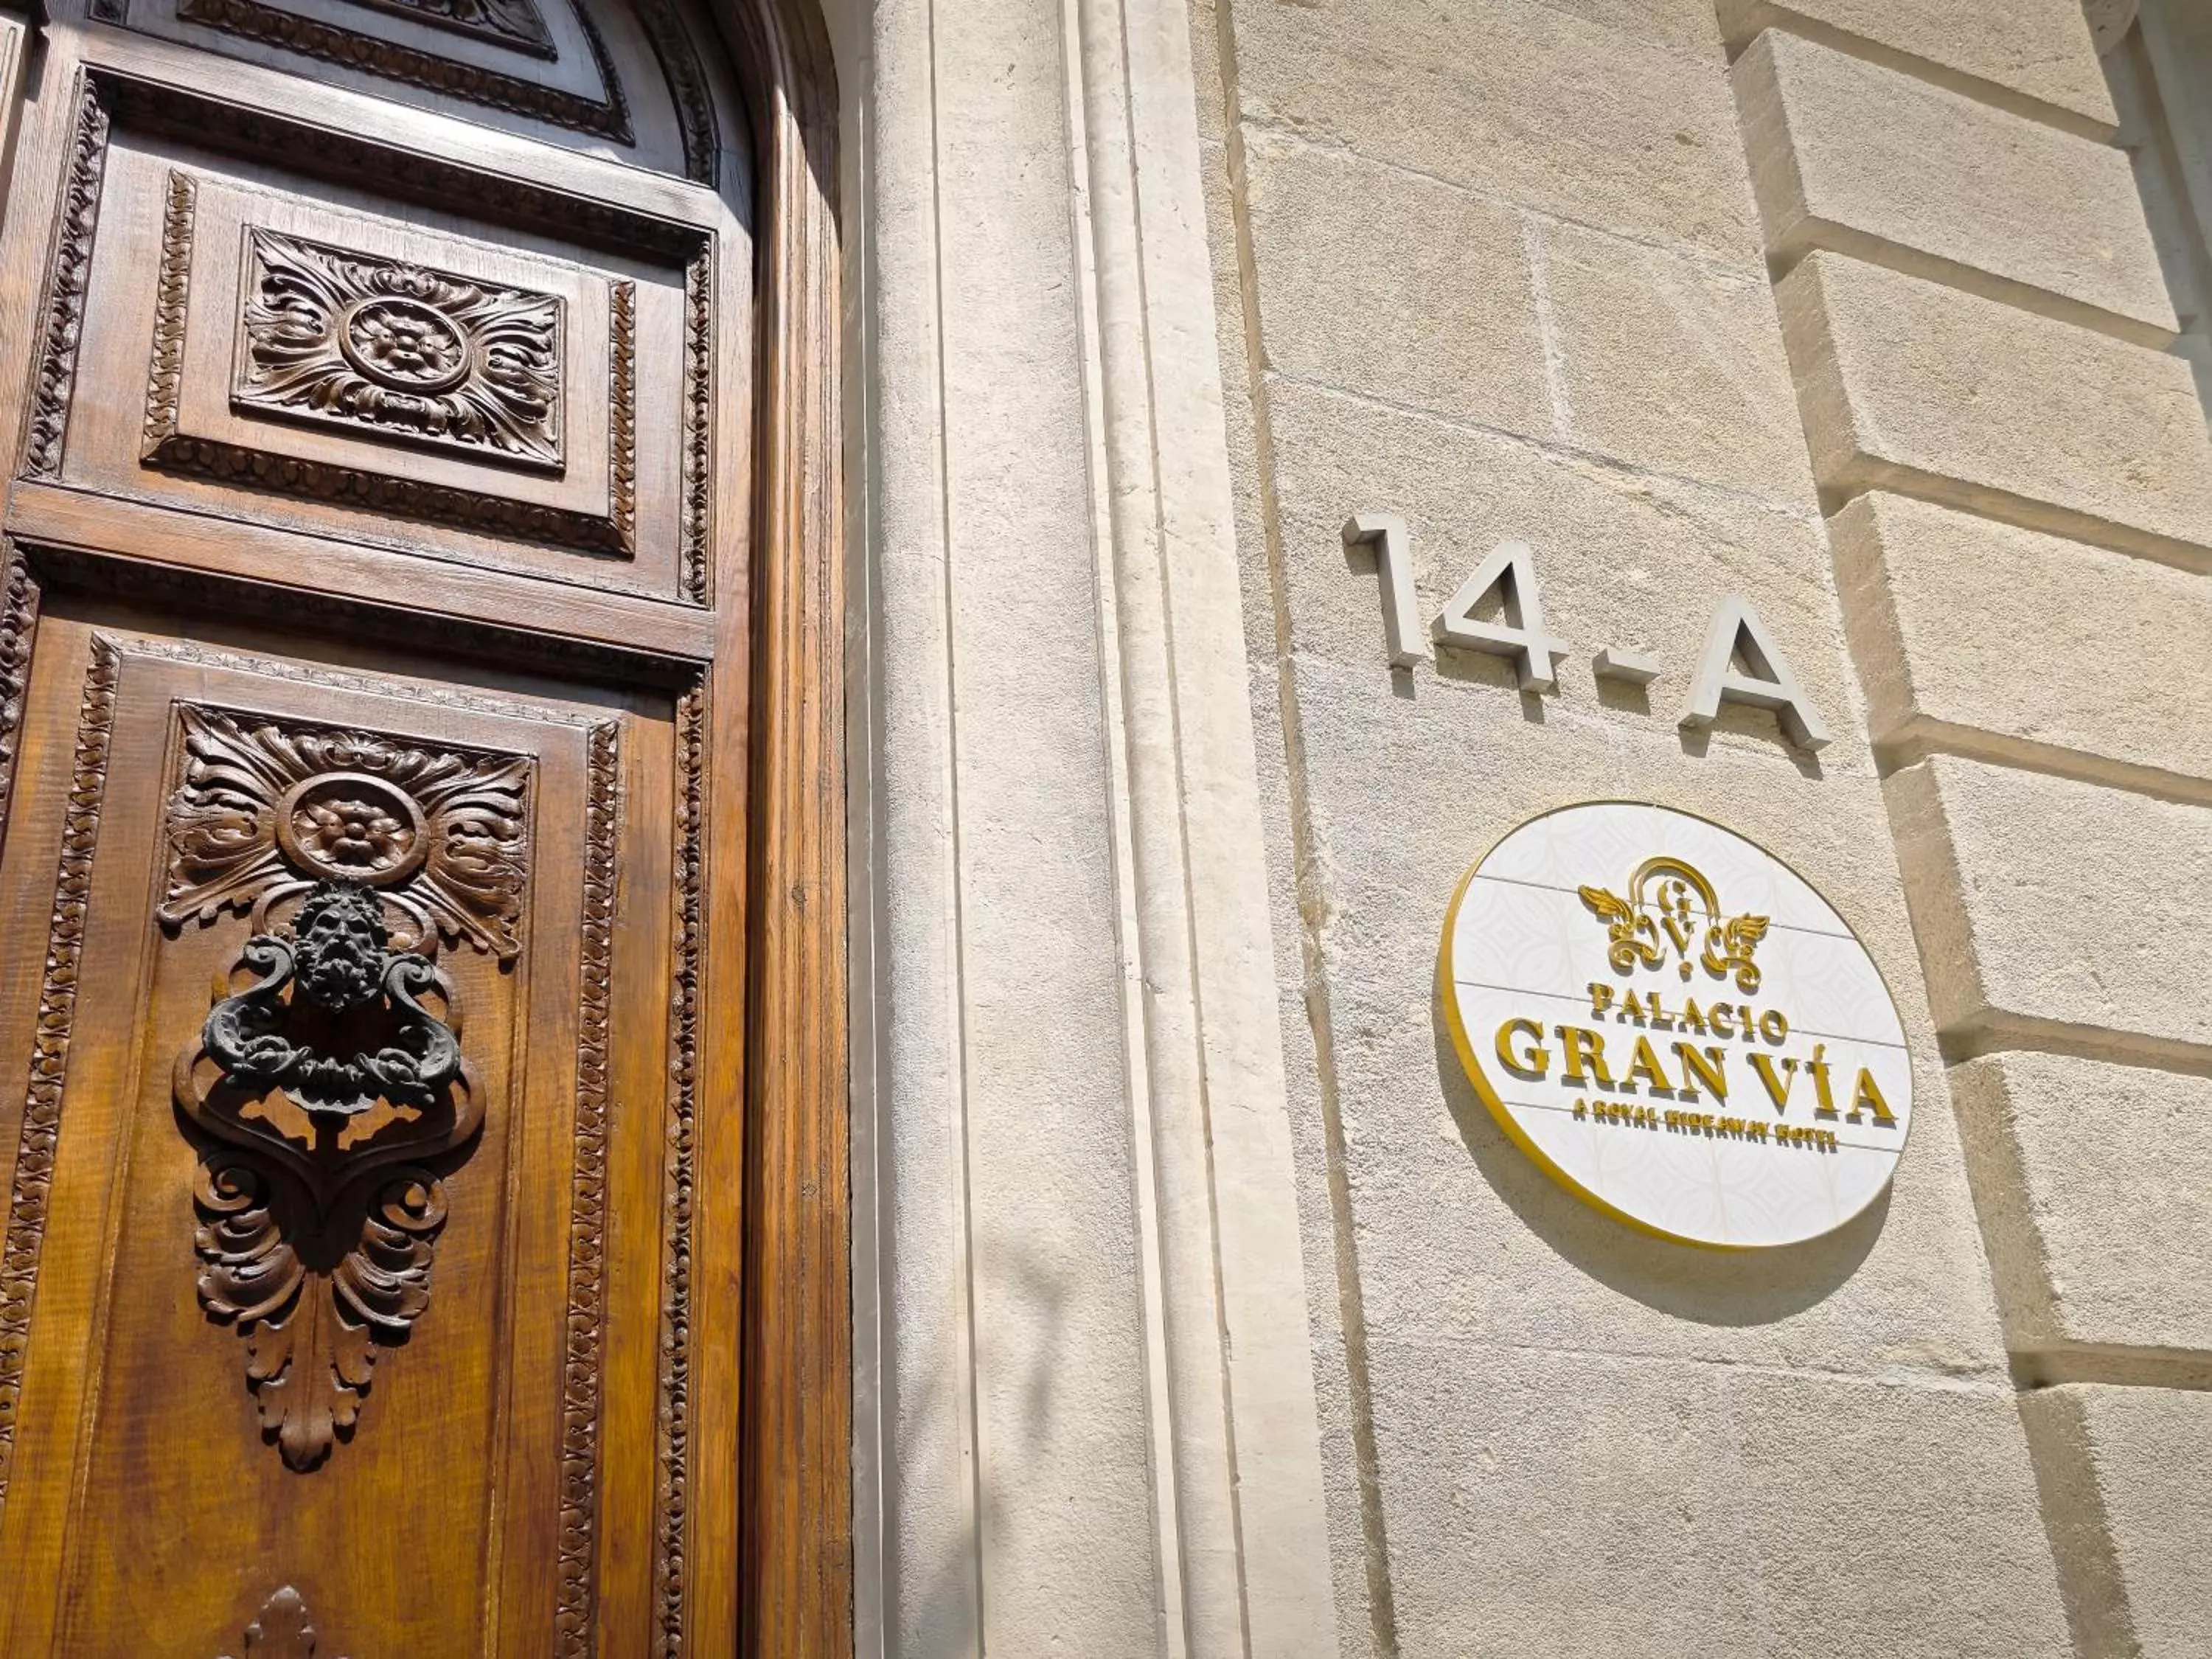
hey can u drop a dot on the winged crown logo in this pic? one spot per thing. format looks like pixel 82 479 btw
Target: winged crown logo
pixel 1671 911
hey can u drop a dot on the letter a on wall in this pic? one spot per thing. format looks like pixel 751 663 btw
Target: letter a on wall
pixel 1736 632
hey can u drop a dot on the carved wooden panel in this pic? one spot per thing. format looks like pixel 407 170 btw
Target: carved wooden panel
pixel 315 362
pixel 592 1345
pixel 515 23
pixel 630 75
pixel 374 350
pixel 398 350
pixel 377 1189
pixel 331 1081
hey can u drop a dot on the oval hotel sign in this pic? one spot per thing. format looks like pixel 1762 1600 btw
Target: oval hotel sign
pixel 1675 1026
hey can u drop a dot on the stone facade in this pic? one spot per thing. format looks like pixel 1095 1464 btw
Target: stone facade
pixel 1204 1310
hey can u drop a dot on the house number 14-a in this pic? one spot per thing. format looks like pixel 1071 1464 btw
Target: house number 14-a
pixel 1735 633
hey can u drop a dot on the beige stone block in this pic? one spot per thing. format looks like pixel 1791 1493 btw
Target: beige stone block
pixel 2095 1186
pixel 1539 1502
pixel 1895 1520
pixel 1518 100
pixel 1847 154
pixel 2032 53
pixel 1906 383
pixel 1613 1507
pixel 1380 282
pixel 1692 24
pixel 1673 365
pixel 1970 632
pixel 2124 1474
pixel 2041 902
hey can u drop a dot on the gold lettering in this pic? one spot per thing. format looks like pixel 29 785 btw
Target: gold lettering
pixel 1646 1067
pixel 1582 1049
pixel 1867 1095
pixel 1773 1026
pixel 1601 998
pixel 1818 1065
pixel 1721 1019
pixel 1534 1060
pixel 1693 1017
pixel 1709 1067
pixel 1778 1090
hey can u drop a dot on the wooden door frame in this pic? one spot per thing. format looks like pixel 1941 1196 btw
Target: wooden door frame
pixel 795 1452
pixel 768 723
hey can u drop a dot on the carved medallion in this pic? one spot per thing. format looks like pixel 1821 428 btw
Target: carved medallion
pixel 359 340
pixel 328 1091
pixel 514 23
pixel 281 1630
pixel 266 809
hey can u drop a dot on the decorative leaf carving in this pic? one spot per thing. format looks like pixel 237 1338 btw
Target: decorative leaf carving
pixel 514 23
pixel 698 465
pixel 679 1173
pixel 62 331
pixel 359 340
pixel 263 809
pixel 574 1636
pixel 282 1630
pixel 312 1335
pixel 50 1052
pixel 19 618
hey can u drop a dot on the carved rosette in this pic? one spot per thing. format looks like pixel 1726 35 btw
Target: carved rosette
pixel 361 340
pixel 265 810
pixel 328 1091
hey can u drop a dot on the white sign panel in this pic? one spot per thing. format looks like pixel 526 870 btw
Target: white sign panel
pixel 1675 1026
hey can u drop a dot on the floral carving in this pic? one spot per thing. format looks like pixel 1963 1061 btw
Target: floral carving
pixel 353 828
pixel 679 1175
pixel 266 809
pixel 316 1236
pixel 62 331
pixel 513 23
pixel 281 1630
pixel 42 1101
pixel 360 340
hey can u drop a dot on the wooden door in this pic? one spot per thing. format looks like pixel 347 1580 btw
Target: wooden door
pixel 380 727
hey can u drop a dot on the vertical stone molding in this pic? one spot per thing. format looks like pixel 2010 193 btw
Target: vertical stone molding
pixel 1096 1430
